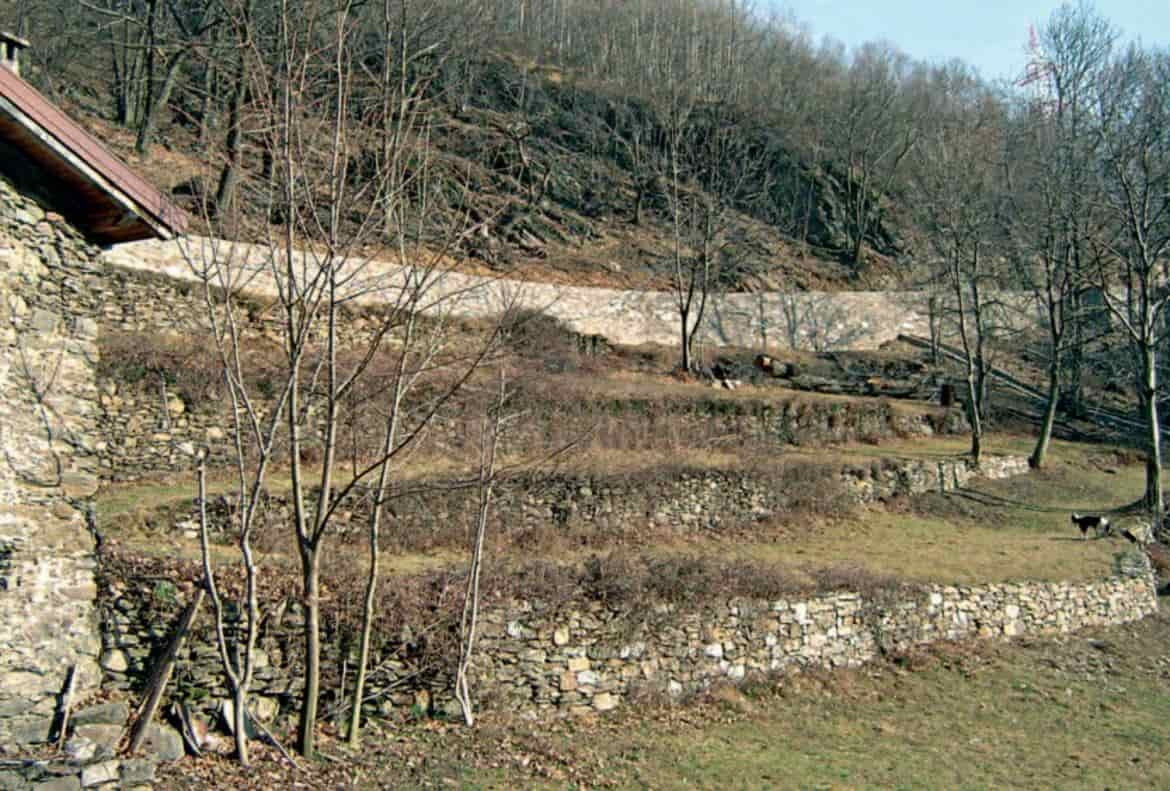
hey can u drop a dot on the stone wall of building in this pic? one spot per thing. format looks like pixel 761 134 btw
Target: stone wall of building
pixel 586 655
pixel 48 412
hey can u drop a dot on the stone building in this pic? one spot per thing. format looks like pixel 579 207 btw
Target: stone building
pixel 63 196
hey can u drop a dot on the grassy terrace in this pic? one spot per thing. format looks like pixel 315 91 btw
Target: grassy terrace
pixel 995 531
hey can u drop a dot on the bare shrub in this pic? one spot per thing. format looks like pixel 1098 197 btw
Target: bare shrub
pixel 816 489
pixel 538 336
pixel 613 580
pixel 187 363
pixel 697 578
pixel 854 579
pixel 184 362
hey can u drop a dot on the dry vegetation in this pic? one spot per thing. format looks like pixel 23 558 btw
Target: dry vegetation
pixel 627 422
pixel 993 531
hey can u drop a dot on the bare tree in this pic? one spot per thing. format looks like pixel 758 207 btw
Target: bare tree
pixel 149 43
pixel 490 436
pixel 712 170
pixel 1052 215
pixel 1134 139
pixel 871 131
pixel 255 430
pixel 237 659
pixel 1074 48
pixel 318 104
pixel 957 174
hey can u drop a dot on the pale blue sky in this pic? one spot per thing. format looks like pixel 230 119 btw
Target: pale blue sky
pixel 991 35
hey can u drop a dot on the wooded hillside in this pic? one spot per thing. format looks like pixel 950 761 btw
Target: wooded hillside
pixel 580 139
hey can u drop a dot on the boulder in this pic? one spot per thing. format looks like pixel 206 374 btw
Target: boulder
pixel 102 714
pixel 99 774
pixel 163 743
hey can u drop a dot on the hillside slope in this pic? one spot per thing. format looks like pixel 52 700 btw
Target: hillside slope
pixel 565 180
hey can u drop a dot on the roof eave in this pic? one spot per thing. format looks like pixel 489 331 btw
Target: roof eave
pixel 164 223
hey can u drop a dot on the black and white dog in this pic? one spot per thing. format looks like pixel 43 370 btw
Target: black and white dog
pixel 1097 523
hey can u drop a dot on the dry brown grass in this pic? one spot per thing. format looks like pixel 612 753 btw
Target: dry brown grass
pixel 998 531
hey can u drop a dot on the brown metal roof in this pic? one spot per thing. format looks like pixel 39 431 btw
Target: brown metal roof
pixel 95 189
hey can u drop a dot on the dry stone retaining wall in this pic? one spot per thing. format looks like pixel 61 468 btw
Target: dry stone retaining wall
pixel 806 320
pixel 902 477
pixel 679 500
pixel 139 434
pixel 589 656
pixel 594 657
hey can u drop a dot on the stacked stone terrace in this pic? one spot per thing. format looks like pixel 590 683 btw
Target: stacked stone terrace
pixel 573 657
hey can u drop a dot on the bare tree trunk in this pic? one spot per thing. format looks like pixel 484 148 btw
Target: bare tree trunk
pixel 388 446
pixel 158 103
pixel 489 444
pixel 934 319
pixel 972 356
pixel 973 413
pixel 229 176
pixel 207 100
pixel 1040 452
pixel 1073 397
pixel 359 684
pixel 311 580
pixel 856 250
pixel 237 670
pixel 1155 495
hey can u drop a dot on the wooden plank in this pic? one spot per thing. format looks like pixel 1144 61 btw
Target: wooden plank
pixel 162 673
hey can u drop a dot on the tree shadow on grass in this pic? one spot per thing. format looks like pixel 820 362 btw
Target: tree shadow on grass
pixel 994 500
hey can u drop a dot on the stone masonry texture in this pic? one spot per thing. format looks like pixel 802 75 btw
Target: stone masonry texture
pixel 48 406
pixel 581 655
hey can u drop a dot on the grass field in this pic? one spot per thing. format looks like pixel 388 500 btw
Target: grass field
pixel 994 531
pixel 1084 712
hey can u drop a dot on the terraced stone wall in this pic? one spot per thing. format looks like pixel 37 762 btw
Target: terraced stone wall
pixel 679 500
pixel 804 320
pixel 582 656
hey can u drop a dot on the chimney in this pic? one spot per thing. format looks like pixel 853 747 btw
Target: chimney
pixel 10 47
